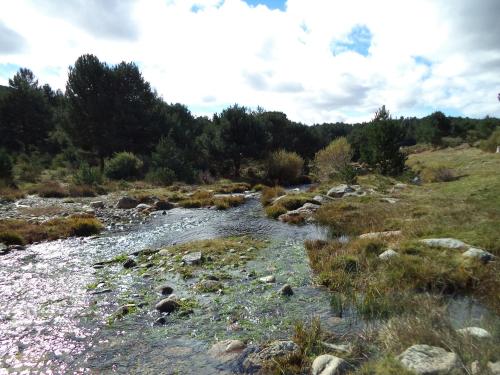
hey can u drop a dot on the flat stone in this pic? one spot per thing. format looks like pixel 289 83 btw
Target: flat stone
pixel 449 243
pixel 286 290
pixel 193 258
pixel 167 305
pixel 267 279
pixel 480 254
pixel 429 360
pixel 339 191
pixel 377 235
pixel 476 332
pixel 327 364
pixel 388 254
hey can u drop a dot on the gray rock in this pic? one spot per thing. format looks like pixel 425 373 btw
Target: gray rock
pixel 97 204
pixel 127 203
pixel 267 279
pixel 277 349
pixel 143 207
pixel 193 258
pixel 226 350
pixel 322 199
pixel 162 205
pixel 480 254
pixel 388 254
pixel 339 191
pixel 167 305
pixel 341 348
pixel 429 360
pixel 327 364
pixel 286 290
pixel 208 286
pixel 378 235
pixel 129 263
pixel 449 243
pixel 493 368
pixel 166 290
pixel 476 332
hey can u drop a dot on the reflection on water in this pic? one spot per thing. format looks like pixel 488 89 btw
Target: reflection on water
pixel 50 322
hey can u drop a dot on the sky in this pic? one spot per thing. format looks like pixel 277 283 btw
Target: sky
pixel 315 60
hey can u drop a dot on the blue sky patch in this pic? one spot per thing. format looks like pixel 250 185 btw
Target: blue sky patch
pixel 7 71
pixel 271 4
pixel 422 61
pixel 359 40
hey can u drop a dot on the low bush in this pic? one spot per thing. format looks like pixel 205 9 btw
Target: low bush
pixel 438 174
pixel 83 226
pixel 269 193
pixel 50 189
pixel 88 176
pixel 491 144
pixel 161 176
pixel 333 161
pixel 5 166
pixel 275 210
pixel 123 166
pixel 284 167
pixel 28 168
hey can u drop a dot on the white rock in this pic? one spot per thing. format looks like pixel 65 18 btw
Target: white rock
pixel 476 332
pixel 193 258
pixel 429 360
pixel 449 243
pixel 327 364
pixel 388 254
pixel 377 235
pixel 267 279
pixel 389 200
pixel 480 254
pixel 493 367
pixel 143 206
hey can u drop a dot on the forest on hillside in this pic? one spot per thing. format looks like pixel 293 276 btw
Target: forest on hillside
pixel 111 114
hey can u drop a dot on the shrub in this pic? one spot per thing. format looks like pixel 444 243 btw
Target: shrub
pixel 87 175
pixel 50 189
pixel 491 144
pixel 275 211
pixel 161 176
pixel 333 159
pixel 28 168
pixel 83 226
pixel 5 166
pixel 269 193
pixel 9 194
pixel 123 166
pixel 284 167
pixel 438 174
pixel 11 238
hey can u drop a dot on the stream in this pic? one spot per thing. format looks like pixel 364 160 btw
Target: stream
pixel 52 322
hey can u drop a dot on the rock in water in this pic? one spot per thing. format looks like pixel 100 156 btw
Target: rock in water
pixel 129 263
pixel 286 290
pixel 167 305
pixel 267 279
pixel 162 205
pixel 193 258
pixel 97 204
pixel 127 203
pixel 327 364
pixel 166 290
pixel 429 360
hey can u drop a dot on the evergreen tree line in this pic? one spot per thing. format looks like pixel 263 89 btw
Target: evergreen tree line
pixel 107 111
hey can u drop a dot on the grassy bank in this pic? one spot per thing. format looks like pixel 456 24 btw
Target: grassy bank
pixel 21 232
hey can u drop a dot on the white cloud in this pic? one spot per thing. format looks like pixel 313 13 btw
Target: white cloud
pixel 228 52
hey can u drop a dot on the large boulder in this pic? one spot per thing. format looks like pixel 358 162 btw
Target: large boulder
pixel 126 203
pixel 162 205
pixel 429 360
pixel 449 243
pixel 339 191
pixel 388 254
pixel 327 364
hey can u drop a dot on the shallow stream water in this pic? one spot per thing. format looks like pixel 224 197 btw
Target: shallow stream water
pixel 52 322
